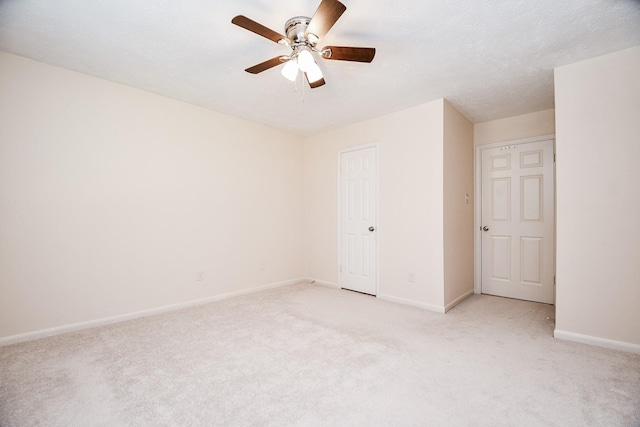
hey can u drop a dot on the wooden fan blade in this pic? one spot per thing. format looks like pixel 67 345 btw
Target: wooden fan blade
pixel 259 29
pixel 346 53
pixel 264 65
pixel 326 15
pixel 315 84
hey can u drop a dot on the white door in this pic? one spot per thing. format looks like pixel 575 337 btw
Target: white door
pixel 358 204
pixel 518 221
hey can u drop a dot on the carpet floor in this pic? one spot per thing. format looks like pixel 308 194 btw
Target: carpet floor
pixel 307 355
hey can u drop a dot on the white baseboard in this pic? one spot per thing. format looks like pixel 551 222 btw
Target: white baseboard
pixel 600 342
pixel 323 283
pixel 257 289
pixel 14 339
pixel 405 301
pixel 458 300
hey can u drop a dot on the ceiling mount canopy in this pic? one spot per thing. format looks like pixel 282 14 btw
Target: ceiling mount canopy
pixel 302 35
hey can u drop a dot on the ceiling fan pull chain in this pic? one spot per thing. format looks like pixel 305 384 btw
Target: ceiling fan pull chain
pixel 296 84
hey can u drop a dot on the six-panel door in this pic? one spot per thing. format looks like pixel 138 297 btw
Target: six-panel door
pixel 518 218
pixel 358 241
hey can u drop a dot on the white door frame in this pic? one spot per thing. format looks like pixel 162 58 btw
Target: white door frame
pixel 477 234
pixel 377 207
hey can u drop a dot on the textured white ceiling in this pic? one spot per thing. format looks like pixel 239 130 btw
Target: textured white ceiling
pixel 490 58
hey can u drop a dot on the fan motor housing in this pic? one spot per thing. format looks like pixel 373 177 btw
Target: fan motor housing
pixel 295 28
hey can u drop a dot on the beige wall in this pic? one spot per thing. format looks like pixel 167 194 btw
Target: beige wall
pixel 425 168
pixel 410 233
pixel 111 199
pixel 598 173
pixel 524 126
pixel 458 214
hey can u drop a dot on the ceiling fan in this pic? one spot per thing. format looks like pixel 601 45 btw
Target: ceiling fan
pixel 302 35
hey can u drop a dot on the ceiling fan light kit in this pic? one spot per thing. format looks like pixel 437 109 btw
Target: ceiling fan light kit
pixel 314 74
pixel 290 70
pixel 305 60
pixel 302 35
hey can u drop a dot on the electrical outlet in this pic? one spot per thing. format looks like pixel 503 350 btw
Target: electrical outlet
pixel 412 276
pixel 200 275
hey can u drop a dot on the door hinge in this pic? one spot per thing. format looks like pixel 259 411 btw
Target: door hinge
pixel 554 157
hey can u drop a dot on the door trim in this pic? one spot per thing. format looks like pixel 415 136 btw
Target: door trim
pixel 477 235
pixel 377 207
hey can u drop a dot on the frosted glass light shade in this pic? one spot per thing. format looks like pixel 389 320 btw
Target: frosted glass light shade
pixel 290 70
pixel 305 61
pixel 314 74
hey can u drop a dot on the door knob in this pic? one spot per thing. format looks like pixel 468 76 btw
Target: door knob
pixel 372 228
pixel 485 228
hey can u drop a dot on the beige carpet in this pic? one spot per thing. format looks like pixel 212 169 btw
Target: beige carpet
pixel 307 355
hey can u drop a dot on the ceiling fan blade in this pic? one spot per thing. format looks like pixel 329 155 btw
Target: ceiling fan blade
pixel 315 84
pixel 259 29
pixel 263 66
pixel 326 15
pixel 346 53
